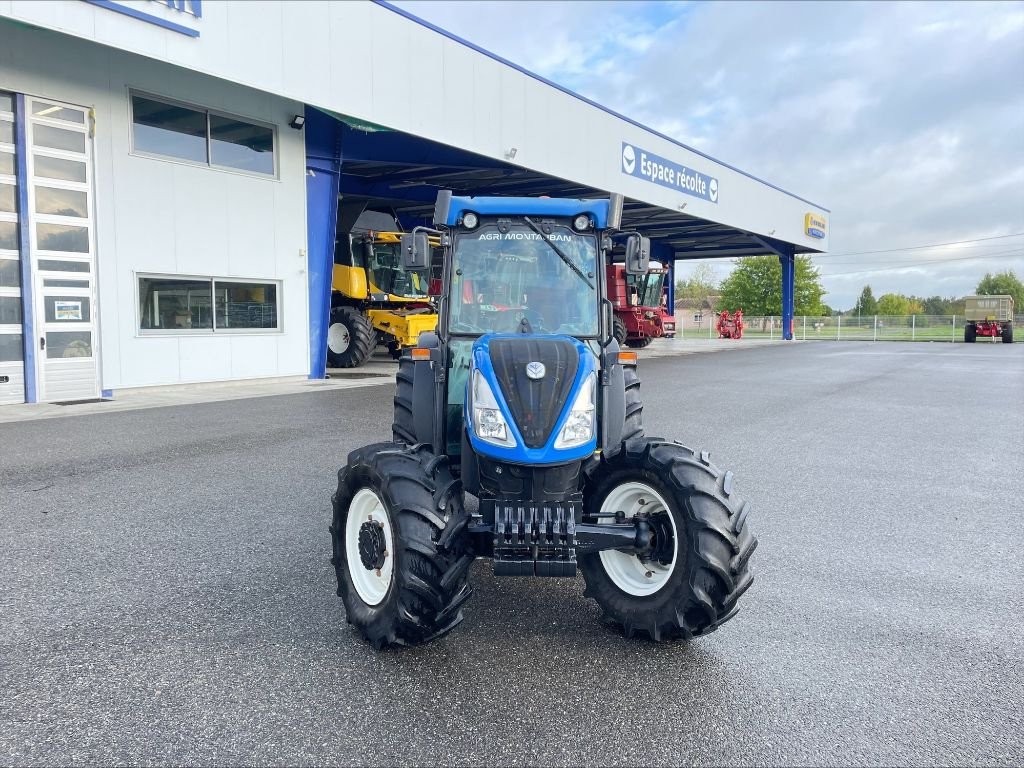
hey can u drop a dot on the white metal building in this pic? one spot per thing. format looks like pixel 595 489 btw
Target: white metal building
pixel 165 218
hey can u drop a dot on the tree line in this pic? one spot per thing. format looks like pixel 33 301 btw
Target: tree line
pixel 1002 283
pixel 755 286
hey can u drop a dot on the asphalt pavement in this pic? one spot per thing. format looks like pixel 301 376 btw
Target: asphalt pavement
pixel 166 595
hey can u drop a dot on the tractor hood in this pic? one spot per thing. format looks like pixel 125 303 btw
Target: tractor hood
pixel 530 398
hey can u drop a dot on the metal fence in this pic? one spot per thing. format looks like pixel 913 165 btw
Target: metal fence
pixel 837 328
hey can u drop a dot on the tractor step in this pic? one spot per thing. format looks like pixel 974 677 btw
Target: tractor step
pixel 533 538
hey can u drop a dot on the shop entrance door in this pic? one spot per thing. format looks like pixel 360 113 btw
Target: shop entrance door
pixel 63 251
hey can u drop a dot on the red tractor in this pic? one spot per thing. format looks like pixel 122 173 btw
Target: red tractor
pixel 641 312
pixel 730 327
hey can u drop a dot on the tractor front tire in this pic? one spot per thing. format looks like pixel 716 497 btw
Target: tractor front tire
pixel 619 330
pixel 970 333
pixel 400 544
pixel 1007 334
pixel 350 338
pixel 702 544
pixel 639 343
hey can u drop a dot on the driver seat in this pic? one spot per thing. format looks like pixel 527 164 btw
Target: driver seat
pixel 548 301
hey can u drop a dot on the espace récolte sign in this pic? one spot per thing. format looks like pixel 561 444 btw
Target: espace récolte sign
pixel 658 170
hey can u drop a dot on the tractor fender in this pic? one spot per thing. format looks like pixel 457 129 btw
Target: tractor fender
pixel 613 398
pixel 423 397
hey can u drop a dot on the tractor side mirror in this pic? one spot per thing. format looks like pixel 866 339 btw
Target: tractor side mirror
pixel 638 254
pixel 415 251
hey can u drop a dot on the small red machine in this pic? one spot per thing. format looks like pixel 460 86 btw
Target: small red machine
pixel 641 312
pixel 730 327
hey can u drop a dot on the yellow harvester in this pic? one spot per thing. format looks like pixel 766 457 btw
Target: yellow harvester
pixel 375 301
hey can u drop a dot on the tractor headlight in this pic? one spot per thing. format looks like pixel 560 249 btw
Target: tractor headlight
pixel 488 422
pixel 579 427
pixel 581 223
pixel 469 220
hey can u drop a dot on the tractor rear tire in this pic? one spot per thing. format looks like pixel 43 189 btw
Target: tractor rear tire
pixel 970 333
pixel 639 343
pixel 1007 334
pixel 702 565
pixel 416 581
pixel 350 338
pixel 619 330
pixel 634 404
pixel 403 429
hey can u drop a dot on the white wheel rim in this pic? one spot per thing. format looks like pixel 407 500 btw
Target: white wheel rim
pixel 627 572
pixel 371 585
pixel 338 338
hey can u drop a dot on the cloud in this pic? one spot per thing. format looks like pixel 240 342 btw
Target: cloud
pixel 906 119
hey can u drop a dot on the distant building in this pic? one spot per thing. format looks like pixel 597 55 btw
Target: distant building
pixel 706 305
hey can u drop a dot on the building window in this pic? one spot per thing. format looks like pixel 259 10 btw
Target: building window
pixel 182 304
pixel 238 144
pixel 196 135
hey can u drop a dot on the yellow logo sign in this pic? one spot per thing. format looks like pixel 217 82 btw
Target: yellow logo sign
pixel 815 226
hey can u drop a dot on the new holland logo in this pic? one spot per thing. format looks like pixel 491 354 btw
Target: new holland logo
pixel 628 159
pixel 535 370
pixel 815 226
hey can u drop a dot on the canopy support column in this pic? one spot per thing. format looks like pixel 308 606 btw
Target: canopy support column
pixel 323 179
pixel 788 261
pixel 787 258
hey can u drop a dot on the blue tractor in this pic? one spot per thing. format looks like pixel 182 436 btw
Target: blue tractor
pixel 523 399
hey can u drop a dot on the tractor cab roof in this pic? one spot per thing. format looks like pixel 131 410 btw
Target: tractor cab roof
pixel 528 206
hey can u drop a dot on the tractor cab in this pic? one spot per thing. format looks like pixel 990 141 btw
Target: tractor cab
pixel 523 282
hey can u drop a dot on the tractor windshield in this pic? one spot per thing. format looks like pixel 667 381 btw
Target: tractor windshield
pixel 512 280
pixel 388 276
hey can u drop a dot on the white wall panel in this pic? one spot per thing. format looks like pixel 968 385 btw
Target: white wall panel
pixel 350 60
pixel 204 358
pixel 157 361
pixel 253 357
pixel 424 71
pixel 511 104
pixel 249 228
pixel 256 51
pixel 394 97
pixel 457 79
pixel 292 357
pixel 538 124
pixel 309 21
pixel 200 207
pixel 149 217
pixel 485 108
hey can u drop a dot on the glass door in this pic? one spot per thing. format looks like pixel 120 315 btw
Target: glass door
pixel 63 240
pixel 12 350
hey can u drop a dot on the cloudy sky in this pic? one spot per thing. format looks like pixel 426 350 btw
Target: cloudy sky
pixel 907 120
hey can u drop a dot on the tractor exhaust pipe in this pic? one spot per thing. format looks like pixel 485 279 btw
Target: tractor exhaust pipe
pixel 615 203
